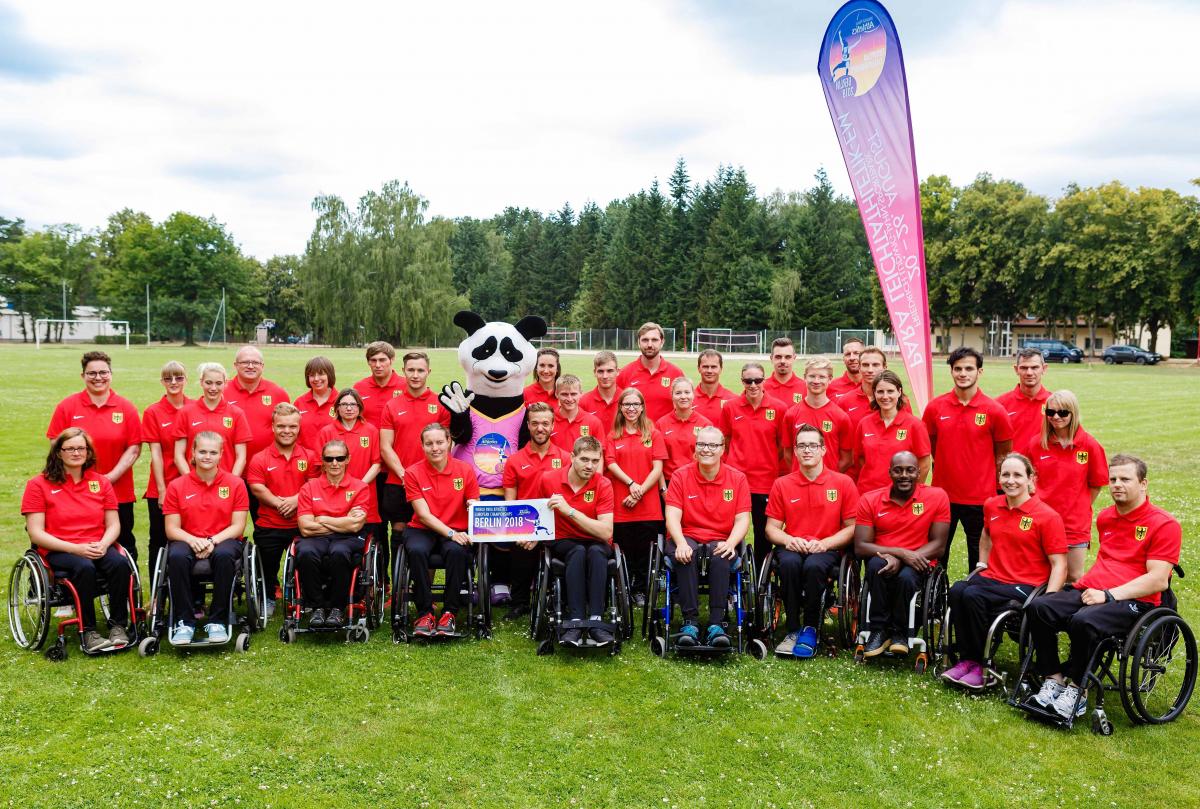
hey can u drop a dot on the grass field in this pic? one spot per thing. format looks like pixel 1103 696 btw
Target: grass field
pixel 491 724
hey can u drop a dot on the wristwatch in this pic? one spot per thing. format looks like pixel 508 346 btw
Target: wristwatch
pixel 571 514
pixel 450 533
pixel 1109 597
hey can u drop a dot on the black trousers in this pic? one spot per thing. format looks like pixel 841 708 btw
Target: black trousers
pixel 758 521
pixel 971 518
pixel 181 559
pixel 253 500
pixel 1086 626
pixel 334 558
pixel 891 596
pixel 634 540
pixel 522 567
pixel 158 532
pixel 420 545
pixel 805 579
pixel 974 604
pixel 82 574
pixel 586 575
pixel 687 581
pixel 394 507
pixel 381 529
pixel 126 538
pixel 272 544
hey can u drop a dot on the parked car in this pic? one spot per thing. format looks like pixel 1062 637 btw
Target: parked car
pixel 1120 354
pixel 1055 350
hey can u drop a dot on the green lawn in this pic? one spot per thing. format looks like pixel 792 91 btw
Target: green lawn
pixel 491 724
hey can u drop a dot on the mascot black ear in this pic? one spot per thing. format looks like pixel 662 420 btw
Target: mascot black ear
pixel 530 327
pixel 470 322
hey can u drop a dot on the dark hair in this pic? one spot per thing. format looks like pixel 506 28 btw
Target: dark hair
pixel 853 340
pixel 587 443
pixel 892 378
pixel 1126 460
pixel 320 365
pixel 964 351
pixel 343 393
pixel 414 355
pixel 710 352
pixel 381 347
pixel 1028 354
pixel 538 407
pixel 782 342
pixel 805 427
pixel 95 356
pixel 54 471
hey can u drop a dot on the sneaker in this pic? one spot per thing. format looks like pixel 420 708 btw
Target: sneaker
pixel 899 645
pixel 1066 701
pixel 973 679
pixel 875 644
pixel 788 644
pixel 689 636
pixel 216 633
pixel 334 618
pixel 63 612
pixel 806 644
pixel 424 626
pixel 517 611
pixel 182 634
pixel 93 641
pixel 601 636
pixel 270 607
pixel 500 594
pixel 955 673
pixel 317 619
pixel 716 637
pixel 1050 690
pixel 572 636
pixel 445 624
pixel 117 636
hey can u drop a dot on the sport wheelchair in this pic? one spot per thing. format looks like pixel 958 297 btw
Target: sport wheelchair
pixel 658 620
pixel 249 591
pixel 841 602
pixel 925 613
pixel 1155 672
pixel 365 605
pixel 474 593
pixel 35 591
pixel 547 623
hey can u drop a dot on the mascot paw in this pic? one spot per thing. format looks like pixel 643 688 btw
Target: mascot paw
pixel 455 399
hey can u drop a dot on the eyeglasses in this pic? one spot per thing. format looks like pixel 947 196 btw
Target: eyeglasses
pixel 1062 414
pixel 631 406
pixel 335 458
pixel 754 381
pixel 97 374
pixel 251 363
pixel 347 404
pixel 808 447
pixel 180 378
pixel 704 446
pixel 73 450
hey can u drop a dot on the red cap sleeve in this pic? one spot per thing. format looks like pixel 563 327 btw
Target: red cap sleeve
pixel 304 498
pixel 256 469
pixel 170 501
pixel 741 497
pixel 605 502
pixel 1054 535
pixel 865 515
pixel 674 495
pixel 921 438
pixel 241 428
pixel 849 495
pixel 34 499
pixel 658 445
pixel 133 424
pixel 1165 543
pixel 471 489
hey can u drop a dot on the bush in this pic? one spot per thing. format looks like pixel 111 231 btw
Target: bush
pixel 119 339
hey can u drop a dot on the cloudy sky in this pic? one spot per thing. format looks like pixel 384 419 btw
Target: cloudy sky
pixel 246 111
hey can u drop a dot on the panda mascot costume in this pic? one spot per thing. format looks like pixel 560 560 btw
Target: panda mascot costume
pixel 487 418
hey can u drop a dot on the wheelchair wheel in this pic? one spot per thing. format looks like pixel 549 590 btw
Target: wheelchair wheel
pixel 624 600
pixel 157 610
pixel 934 606
pixel 849 592
pixel 658 645
pixel 537 621
pixel 1158 677
pixel 29 601
pixel 376 587
pixel 400 596
pixel 148 647
pixel 655 585
pixel 256 588
pixel 483 629
pixel 768 606
pixel 287 583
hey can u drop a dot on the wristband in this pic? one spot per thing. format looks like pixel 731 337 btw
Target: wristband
pixel 1109 597
pixel 981 565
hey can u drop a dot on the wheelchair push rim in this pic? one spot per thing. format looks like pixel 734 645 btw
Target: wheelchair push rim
pixel 29 602
pixel 1159 676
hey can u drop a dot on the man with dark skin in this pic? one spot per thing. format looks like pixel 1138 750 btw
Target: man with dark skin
pixel 900 532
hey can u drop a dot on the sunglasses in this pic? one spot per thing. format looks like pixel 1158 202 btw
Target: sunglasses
pixel 755 381
pixel 1062 414
pixel 335 458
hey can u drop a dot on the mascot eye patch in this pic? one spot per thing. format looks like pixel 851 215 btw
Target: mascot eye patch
pixel 486 349
pixel 510 351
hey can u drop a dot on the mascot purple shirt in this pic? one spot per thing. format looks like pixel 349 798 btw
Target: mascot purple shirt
pixel 487 418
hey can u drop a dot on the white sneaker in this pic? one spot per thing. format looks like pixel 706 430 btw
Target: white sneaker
pixel 64 612
pixel 788 644
pixel 216 633
pixel 182 634
pixel 1066 701
pixel 1050 691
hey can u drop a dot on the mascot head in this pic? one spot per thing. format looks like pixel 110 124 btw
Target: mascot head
pixel 498 356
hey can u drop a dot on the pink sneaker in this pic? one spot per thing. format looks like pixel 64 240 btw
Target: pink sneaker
pixel 955 673
pixel 973 679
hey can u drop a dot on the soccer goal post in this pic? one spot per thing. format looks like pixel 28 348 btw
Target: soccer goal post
pixel 727 340
pixel 89 329
pixel 561 338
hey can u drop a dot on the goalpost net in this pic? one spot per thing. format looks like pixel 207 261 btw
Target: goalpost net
pixel 82 331
pixel 727 340
pixel 560 338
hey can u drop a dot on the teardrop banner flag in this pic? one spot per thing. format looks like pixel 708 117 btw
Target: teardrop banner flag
pixel 862 73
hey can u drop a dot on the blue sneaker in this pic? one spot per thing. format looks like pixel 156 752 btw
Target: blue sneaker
pixel 717 637
pixel 806 644
pixel 217 633
pixel 182 634
pixel 689 635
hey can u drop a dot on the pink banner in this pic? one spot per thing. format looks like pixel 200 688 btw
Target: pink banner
pixel 862 73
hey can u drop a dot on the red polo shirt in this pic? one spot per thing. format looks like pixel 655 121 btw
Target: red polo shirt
pixel 315 417
pixel 283 477
pixel 813 509
pixel 790 392
pixel 636 458
pixel 74 511
pixel 205 509
pixel 964 438
pixel 593 404
pixel 1127 542
pixel 593 500
pixel 536 393
pixel 376 397
pixel 875 444
pixel 680 438
pixel 406 416
pixel 1022 540
pixel 363 441
pixel 258 407
pixel 524 470
pixel 158 422
pixel 708 507
pixel 903 526
pixel 566 432
pixel 841 386
pixel 655 387
pixel 1064 475
pixel 754 438
pixel 226 420
pixel 113 427
pixel 1025 414
pixel 710 406
pixel 830 419
pixel 445 493
pixel 320 498
pixel 857 405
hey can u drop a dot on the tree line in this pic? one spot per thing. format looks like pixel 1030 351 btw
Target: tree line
pixel 712 253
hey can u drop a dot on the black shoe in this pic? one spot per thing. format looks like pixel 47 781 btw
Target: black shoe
pixel 601 636
pixel 335 618
pixel 876 644
pixel 317 620
pixel 899 644
pixel 572 636
pixel 516 611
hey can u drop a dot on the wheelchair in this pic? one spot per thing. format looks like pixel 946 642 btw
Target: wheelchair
pixel 546 622
pixel 926 611
pixel 1152 667
pixel 365 605
pixel 659 615
pixel 249 593
pixel 842 594
pixel 1011 622
pixel 475 596
pixel 35 591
